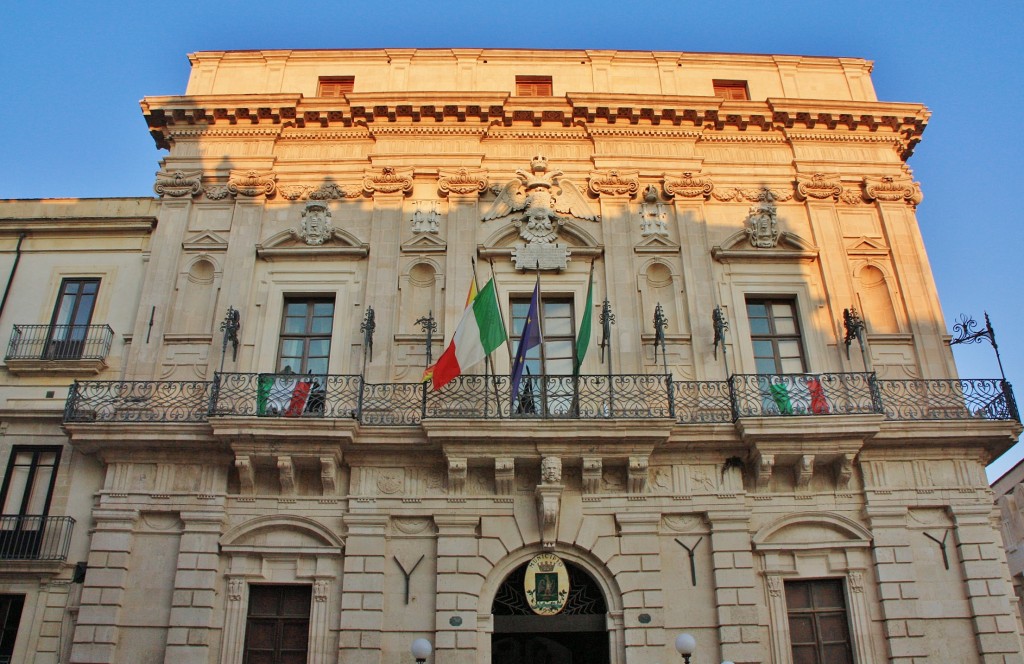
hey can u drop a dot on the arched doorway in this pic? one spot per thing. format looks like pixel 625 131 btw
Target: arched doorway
pixel 576 635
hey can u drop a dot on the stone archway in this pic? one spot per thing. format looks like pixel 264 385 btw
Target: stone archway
pixel 576 635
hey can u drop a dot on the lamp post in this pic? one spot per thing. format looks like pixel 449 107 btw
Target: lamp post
pixel 421 649
pixel 686 645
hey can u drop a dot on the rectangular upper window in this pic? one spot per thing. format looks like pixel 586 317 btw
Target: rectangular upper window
pixel 818 629
pixel 277 625
pixel 734 90
pixel 533 86
pixel 306 335
pixel 335 86
pixel 775 336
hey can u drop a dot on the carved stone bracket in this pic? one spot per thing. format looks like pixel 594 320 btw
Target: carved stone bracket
pixel 286 472
pixel 329 475
pixel 246 474
pixel 763 470
pixel 804 471
pixel 593 467
pixel 819 186
pixel 458 469
pixel 775 585
pixel 689 186
pixel 462 182
pixel 844 471
pixel 549 504
pixel 251 184
pixel 614 183
pixel 178 183
pixel 388 181
pixel 892 190
pixel 321 588
pixel 235 588
pixel 504 476
pixel 638 466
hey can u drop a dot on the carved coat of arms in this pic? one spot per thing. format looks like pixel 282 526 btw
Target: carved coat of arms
pixel 316 223
pixel 542 196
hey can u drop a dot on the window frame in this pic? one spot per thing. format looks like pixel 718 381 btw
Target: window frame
pixel 34 466
pixel 532 85
pixel 773 336
pixel 731 89
pixel 66 340
pixel 12 607
pixel 335 86
pixel 278 618
pixel 307 335
pixel 816 614
pixel 539 357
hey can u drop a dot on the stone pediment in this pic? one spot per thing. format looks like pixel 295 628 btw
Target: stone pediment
pixel 656 244
pixel 205 241
pixel 576 239
pixel 811 530
pixel 866 246
pixel 789 247
pixel 424 243
pixel 288 243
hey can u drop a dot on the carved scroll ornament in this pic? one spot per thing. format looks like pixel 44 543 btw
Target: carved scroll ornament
pixel 388 181
pixel 819 186
pixel 462 182
pixel 252 184
pixel 689 186
pixel 330 191
pixel 614 183
pixel 178 183
pixel 891 190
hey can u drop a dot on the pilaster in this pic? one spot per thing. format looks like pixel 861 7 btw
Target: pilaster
pixel 698 278
pixel 96 634
pixel 983 564
pixel 637 569
pixel 736 593
pixel 459 579
pixel 237 285
pixel 195 595
pixel 897 584
pixel 621 284
pixel 385 247
pixel 362 610
pixel 463 219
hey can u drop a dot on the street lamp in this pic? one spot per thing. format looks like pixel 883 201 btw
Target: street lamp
pixel 421 649
pixel 685 645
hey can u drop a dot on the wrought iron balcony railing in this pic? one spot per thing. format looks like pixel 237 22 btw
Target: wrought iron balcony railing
pixel 138 401
pixel 967 399
pixel 642 396
pixel 27 537
pixel 770 395
pixel 59 342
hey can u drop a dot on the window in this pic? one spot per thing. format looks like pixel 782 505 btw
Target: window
pixel 306 336
pixel 69 325
pixel 335 86
pixel 555 356
pixel 277 627
pixel 733 90
pixel 818 628
pixel 533 86
pixel 10 616
pixel 775 336
pixel 27 491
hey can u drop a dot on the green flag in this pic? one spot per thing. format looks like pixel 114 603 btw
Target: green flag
pixel 583 338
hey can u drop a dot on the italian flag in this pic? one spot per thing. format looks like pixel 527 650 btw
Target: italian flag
pixel 797 398
pixel 283 395
pixel 480 331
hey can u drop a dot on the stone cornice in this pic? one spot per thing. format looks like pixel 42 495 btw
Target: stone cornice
pixel 901 123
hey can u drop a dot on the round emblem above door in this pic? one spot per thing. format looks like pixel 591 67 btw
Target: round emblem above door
pixel 546 584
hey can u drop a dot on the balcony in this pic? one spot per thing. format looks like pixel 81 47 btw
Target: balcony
pixel 639 396
pixel 76 350
pixel 35 538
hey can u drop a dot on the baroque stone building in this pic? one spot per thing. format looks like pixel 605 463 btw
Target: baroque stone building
pixel 766 445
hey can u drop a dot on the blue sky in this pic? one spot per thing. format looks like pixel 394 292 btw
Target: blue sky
pixel 73 73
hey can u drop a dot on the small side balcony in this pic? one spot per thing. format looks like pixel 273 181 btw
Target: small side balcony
pixel 73 350
pixel 35 539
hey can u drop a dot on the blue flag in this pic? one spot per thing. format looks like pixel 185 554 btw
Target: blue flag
pixel 531 339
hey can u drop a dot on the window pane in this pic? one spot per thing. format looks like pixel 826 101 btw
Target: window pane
pixel 833 627
pixel 764 349
pixel 798 595
pixel 319 347
pixel 759 326
pixel 323 309
pixel 16 490
pixel 828 595
pixel 558 349
pixel 801 629
pixel 782 310
pixel 322 325
pixel 756 310
pixel 316 366
pixel 837 654
pixel 294 325
pixel 557 327
pixel 794 365
pixel 40 491
pixel 789 348
pixel 766 366
pixel 785 326
pixel 292 347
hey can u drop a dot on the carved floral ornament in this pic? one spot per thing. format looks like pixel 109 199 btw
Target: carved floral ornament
pixel 614 183
pixel 388 181
pixel 689 186
pixel 178 183
pixel 462 182
pixel 753 195
pixel 324 192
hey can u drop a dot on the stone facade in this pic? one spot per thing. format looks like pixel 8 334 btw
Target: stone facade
pixel 685 486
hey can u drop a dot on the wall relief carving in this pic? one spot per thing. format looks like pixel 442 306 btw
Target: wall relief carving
pixel 543 196
pixel 653 214
pixel 329 191
pixel 316 225
pixel 762 223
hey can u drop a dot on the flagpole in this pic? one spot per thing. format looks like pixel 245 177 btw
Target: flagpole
pixel 508 338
